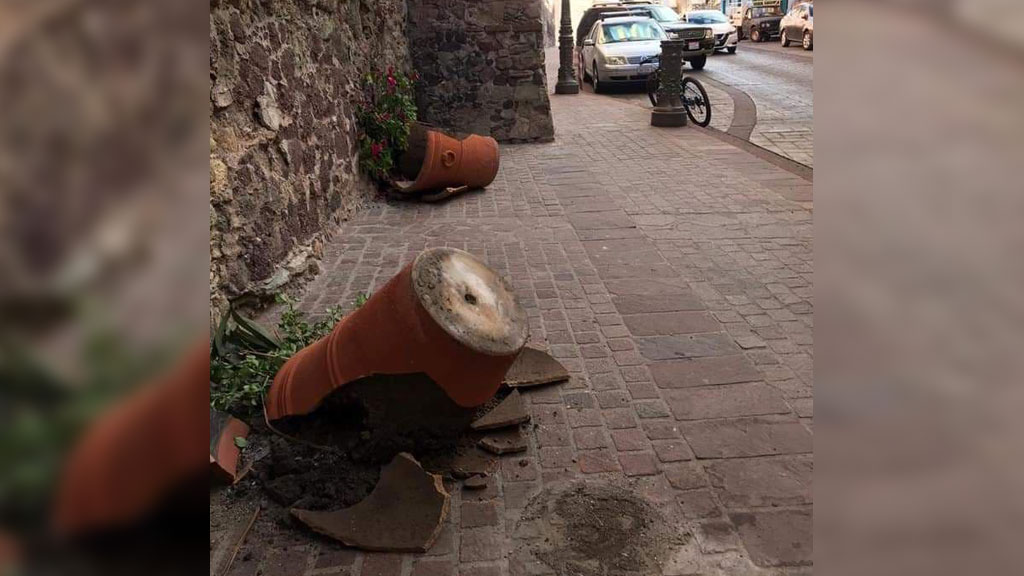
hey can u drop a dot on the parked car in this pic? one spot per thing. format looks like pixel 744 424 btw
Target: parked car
pixel 613 51
pixel 676 27
pixel 726 37
pixel 760 23
pixel 799 23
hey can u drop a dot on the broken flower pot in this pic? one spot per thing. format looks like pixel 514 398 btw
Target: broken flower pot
pixel 446 315
pixel 448 162
pixel 404 513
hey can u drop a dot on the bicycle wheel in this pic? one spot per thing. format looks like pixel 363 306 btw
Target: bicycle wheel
pixel 695 99
pixel 652 88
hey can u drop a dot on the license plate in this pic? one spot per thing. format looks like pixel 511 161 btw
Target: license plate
pixel 693 45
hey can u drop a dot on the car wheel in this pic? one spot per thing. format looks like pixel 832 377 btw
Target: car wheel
pixel 755 35
pixel 785 41
pixel 808 41
pixel 596 80
pixel 699 62
pixel 731 49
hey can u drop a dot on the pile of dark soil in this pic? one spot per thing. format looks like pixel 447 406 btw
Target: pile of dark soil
pixel 592 529
pixel 331 458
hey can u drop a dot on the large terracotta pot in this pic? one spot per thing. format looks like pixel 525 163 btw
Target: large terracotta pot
pixel 139 452
pixel 450 162
pixel 446 314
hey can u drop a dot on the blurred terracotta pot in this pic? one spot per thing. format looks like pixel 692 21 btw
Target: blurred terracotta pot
pixel 138 452
pixel 446 314
pixel 450 162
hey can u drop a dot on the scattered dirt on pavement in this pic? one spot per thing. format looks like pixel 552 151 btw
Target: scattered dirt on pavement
pixel 595 529
pixel 333 457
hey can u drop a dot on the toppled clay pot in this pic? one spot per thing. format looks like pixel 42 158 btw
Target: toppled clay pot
pixel 446 314
pixel 451 162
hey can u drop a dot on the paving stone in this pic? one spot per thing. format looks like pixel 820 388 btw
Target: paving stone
pixel 618 418
pixel 704 371
pixel 596 461
pixel 638 463
pixel 687 346
pixel 642 390
pixel 776 538
pixel 476 514
pixel 481 544
pixel 698 505
pixel 672 451
pixel 429 567
pixel 646 287
pixel 334 556
pixel 556 457
pixel 716 536
pixel 284 562
pixel 760 482
pixel 630 440
pixel 381 565
pixel 480 570
pixel 613 399
pixel 584 418
pixel 725 401
pixel 590 438
pixel 685 475
pixel 670 323
pixel 519 469
pixel 651 409
pixel 679 299
pixel 661 430
pixel 745 437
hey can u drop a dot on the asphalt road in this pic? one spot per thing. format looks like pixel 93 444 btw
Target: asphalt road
pixel 777 81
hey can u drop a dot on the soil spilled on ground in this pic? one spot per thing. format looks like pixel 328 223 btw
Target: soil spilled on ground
pixel 595 529
pixel 331 459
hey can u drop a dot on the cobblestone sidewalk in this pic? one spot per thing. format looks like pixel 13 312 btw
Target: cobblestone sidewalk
pixel 671 273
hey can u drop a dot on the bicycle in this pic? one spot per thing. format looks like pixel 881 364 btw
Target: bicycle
pixel 691 92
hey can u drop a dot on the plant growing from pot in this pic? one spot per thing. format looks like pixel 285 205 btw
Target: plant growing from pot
pixel 385 116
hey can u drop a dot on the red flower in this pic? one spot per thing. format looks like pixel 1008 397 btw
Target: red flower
pixel 391 83
pixel 376 148
pixel 386 116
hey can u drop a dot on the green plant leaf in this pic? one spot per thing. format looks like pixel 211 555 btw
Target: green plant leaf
pixel 241 442
pixel 254 333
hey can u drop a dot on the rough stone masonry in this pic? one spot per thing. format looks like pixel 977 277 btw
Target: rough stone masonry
pixel 284 77
pixel 482 67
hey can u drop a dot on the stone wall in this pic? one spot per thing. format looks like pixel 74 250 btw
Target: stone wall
pixel 481 64
pixel 283 144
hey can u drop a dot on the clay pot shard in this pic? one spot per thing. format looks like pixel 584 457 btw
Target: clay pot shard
pixel 224 453
pixel 535 368
pixel 510 412
pixel 451 163
pixel 446 315
pixel 404 513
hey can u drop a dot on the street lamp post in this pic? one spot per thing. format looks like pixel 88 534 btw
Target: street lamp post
pixel 670 110
pixel 566 71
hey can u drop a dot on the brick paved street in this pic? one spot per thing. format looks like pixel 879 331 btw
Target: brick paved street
pixel 671 274
pixel 780 81
pixel 777 83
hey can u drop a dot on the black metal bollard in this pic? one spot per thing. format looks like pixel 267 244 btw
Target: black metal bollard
pixel 670 110
pixel 567 83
